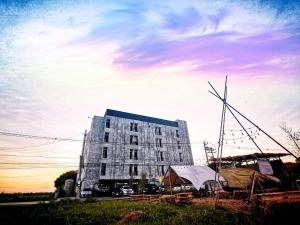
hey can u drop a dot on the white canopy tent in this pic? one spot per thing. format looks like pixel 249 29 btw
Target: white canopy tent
pixel 197 175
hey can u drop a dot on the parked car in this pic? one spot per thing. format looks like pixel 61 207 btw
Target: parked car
pixel 126 190
pixel 86 193
pixel 212 186
pixel 116 192
pixel 101 190
pixel 152 189
pixel 187 187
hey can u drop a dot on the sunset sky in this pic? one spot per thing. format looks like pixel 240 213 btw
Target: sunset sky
pixel 62 62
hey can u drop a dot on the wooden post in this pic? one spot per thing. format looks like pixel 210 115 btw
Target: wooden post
pixel 252 187
pixel 170 180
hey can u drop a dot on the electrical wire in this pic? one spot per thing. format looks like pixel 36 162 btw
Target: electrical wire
pixel 38 156
pixel 36 136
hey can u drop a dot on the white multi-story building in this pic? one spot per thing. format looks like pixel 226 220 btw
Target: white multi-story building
pixel 121 146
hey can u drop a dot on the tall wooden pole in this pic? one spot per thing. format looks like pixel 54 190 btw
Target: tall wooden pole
pixel 81 161
pixel 260 129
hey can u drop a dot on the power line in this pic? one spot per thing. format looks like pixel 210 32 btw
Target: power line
pixel 26 187
pixel 15 177
pixel 36 136
pixel 38 156
pixel 35 163
pixel 37 145
pixel 28 168
pixel 12 134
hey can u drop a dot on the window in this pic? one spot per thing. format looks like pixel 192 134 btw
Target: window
pixel 177 133
pixel 157 156
pixel 136 154
pixel 130 153
pixel 104 154
pixel 133 170
pixel 134 127
pixel 106 137
pixel 103 169
pixel 161 170
pixel 178 145
pixel 133 140
pixel 158 130
pixel 130 170
pixel 180 157
pixel 158 142
pixel 107 125
pixel 161 156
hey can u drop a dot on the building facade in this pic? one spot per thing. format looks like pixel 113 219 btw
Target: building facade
pixel 121 146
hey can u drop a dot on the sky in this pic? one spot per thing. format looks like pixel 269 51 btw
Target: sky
pixel 62 62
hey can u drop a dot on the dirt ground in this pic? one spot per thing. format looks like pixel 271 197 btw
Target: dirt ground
pixel 233 205
pixel 130 216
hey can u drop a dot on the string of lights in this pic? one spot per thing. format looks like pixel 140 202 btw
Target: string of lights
pixel 240 130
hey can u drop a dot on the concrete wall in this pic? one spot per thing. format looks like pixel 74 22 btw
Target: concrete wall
pixel 118 149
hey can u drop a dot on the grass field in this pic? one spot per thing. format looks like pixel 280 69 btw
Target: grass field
pixel 111 212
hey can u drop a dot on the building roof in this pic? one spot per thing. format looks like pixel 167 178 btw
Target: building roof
pixel 126 115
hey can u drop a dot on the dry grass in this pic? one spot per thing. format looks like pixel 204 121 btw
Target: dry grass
pixel 232 205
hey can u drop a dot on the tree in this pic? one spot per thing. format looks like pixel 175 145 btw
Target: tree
pixel 60 181
pixel 293 137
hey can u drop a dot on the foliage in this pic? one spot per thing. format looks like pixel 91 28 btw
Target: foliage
pixel 293 137
pixel 25 197
pixel 60 181
pixel 109 212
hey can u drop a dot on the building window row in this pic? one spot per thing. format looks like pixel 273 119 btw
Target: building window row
pixel 134 140
pixel 133 169
pixel 134 128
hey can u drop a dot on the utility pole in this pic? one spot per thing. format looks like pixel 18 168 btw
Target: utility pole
pixel 81 162
pixel 209 152
pixel 220 142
